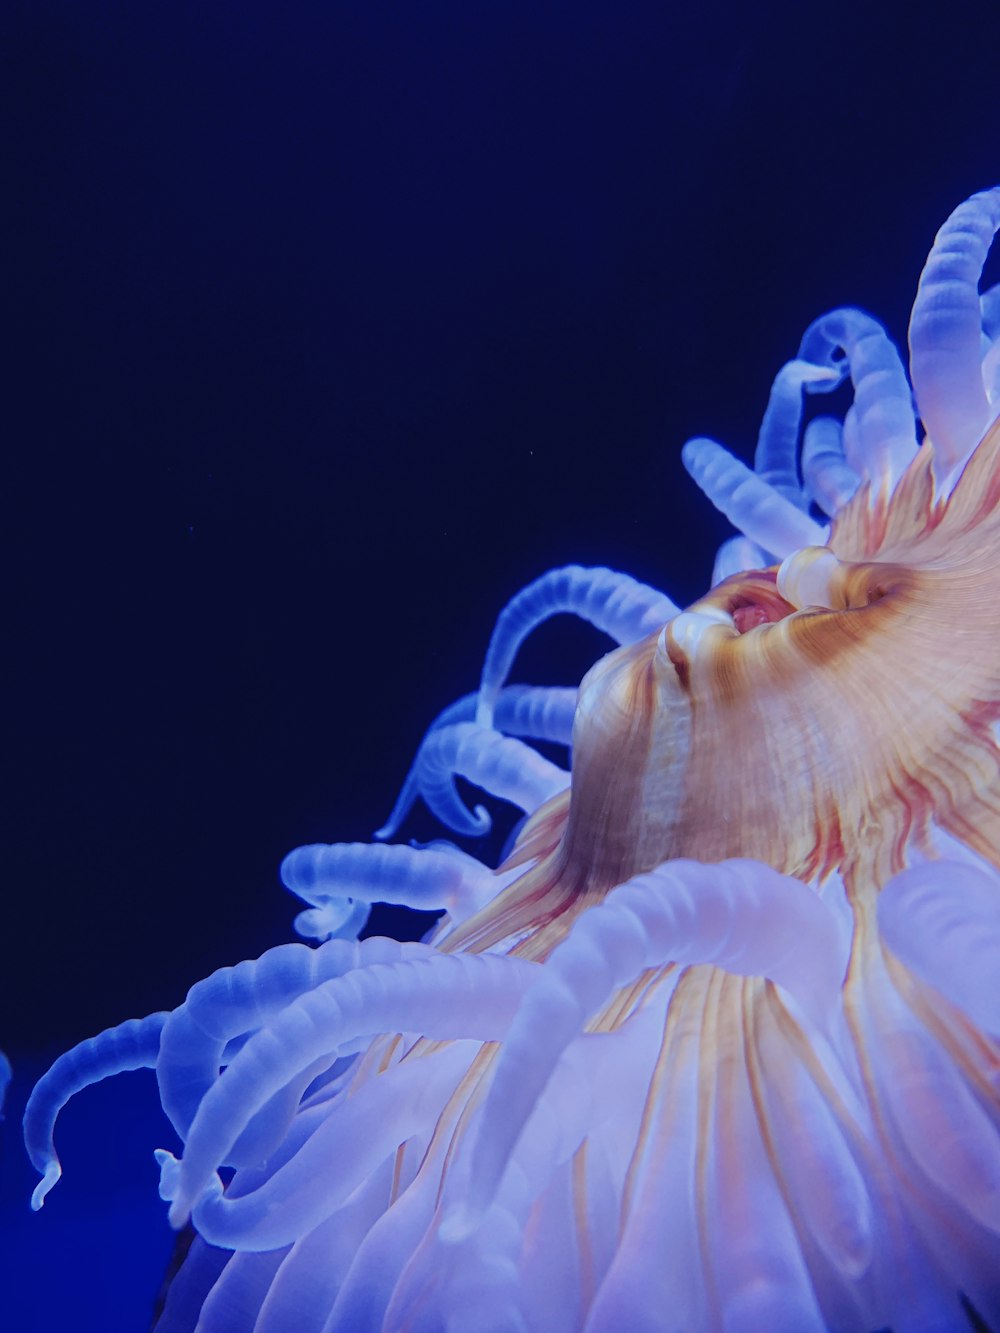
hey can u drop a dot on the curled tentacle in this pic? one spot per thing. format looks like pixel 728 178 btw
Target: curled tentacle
pixel 236 1001
pixel 776 458
pixel 886 437
pixel 134 1044
pixel 540 712
pixel 727 1097
pixel 942 920
pixel 333 919
pixel 751 505
pixel 739 915
pixel 826 474
pixel 946 333
pixel 501 765
pixel 425 878
pixel 443 997
pixel 361 1130
pixel 620 606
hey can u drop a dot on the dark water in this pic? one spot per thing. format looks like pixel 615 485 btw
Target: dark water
pixel 331 325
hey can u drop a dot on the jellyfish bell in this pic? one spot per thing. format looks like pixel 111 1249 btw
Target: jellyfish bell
pixel 717 1045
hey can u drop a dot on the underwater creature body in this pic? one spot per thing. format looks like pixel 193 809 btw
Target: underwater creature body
pixel 718 1045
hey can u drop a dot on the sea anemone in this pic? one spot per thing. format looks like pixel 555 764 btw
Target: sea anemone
pixel 716 1046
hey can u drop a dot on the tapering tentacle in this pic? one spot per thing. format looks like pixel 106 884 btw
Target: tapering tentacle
pixel 360 1130
pixel 425 878
pixel 946 333
pixel 826 474
pixel 736 555
pixel 739 915
pixel 134 1044
pixel 618 605
pixel 538 712
pixel 942 920
pixel 443 997
pixel 850 340
pixel 236 1001
pixel 751 505
pixel 776 459
pixel 501 765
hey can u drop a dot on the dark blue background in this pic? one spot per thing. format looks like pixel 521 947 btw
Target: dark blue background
pixel 329 326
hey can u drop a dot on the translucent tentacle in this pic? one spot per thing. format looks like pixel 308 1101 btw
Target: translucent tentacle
pixel 830 1193
pixel 476 1286
pixel 989 304
pixel 333 919
pixel 946 332
pixel 851 440
pixel 828 477
pixel 235 1001
pixel 189 1288
pixel 425 878
pixel 501 765
pixel 134 1044
pixel 657 1263
pixel 234 1301
pixel 752 506
pixel 941 1132
pixel 740 915
pixel 361 1131
pixel 444 996
pixel 541 712
pixel 991 374
pixel 989 311
pixel 313 1273
pixel 495 880
pixel 882 402
pixel 942 920
pixel 736 555
pixel 752 1257
pixel 776 459
pixel 618 605
pixel 376 1264
pixel 990 307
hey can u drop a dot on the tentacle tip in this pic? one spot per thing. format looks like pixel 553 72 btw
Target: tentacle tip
pixel 335 919
pixel 387 831
pixel 481 821
pixel 52 1173
pixel 286 871
pixel 173 1190
pixel 827 376
pixel 690 450
pixel 169 1178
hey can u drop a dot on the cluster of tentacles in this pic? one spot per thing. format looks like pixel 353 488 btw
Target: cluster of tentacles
pixel 718 1045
